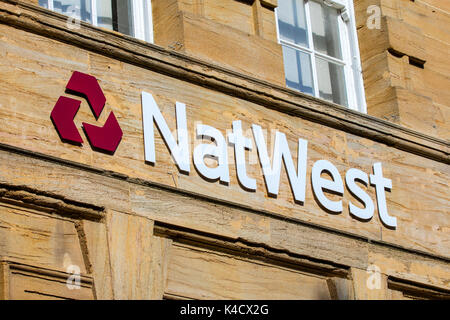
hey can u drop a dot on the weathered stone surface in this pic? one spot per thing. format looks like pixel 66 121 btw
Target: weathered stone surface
pixel 57 179
pixel 27 283
pixel 208 275
pixel 247 43
pixel 341 289
pixel 160 261
pixel 39 239
pixel 4 283
pixel 415 32
pixel 97 257
pixel 414 268
pixel 130 247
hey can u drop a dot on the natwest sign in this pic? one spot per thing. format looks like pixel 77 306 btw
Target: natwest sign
pixel 106 138
pixel 179 148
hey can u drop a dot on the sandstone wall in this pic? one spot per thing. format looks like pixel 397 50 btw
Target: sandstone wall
pixel 137 231
pixel 405 69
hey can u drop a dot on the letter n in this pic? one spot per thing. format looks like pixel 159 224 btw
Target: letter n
pixel 179 150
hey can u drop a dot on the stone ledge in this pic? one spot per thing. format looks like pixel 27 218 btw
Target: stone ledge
pixel 244 248
pixel 49 202
pixel 415 289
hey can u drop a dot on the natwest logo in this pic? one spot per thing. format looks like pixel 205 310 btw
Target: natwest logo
pixel 106 138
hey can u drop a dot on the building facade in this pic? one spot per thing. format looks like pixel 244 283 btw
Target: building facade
pixel 233 149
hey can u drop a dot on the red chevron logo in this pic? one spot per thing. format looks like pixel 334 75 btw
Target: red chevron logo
pixel 106 138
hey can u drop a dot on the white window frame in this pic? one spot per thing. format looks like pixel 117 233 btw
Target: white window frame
pixel 349 47
pixel 142 18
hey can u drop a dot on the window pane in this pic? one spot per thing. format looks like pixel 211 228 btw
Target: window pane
pixel 292 22
pixel 325 29
pixel 80 9
pixel 331 80
pixel 297 68
pixel 124 16
pixel 105 14
pixel 115 15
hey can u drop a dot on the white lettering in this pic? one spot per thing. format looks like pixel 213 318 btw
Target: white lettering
pixel 180 151
pixel 218 151
pixel 319 184
pixel 281 151
pixel 350 178
pixel 381 183
pixel 241 143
